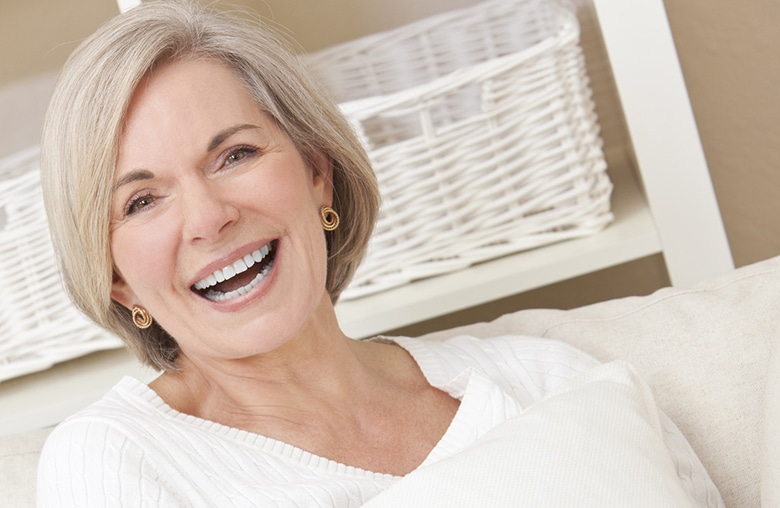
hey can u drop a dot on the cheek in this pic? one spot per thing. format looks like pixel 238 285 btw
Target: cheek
pixel 142 255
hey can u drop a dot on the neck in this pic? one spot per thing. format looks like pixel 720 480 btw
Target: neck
pixel 319 368
pixel 365 404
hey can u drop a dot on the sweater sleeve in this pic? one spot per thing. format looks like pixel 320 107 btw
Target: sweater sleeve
pixel 693 475
pixel 88 463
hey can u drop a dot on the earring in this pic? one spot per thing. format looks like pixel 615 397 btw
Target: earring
pixel 329 218
pixel 141 317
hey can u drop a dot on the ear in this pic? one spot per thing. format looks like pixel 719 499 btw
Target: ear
pixel 323 177
pixel 121 292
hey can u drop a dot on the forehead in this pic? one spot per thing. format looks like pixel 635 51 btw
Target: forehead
pixel 186 100
pixel 208 71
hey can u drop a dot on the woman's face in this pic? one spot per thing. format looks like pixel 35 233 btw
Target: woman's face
pixel 206 186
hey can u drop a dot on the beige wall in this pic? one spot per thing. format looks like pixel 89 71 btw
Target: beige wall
pixel 729 55
pixel 727 51
pixel 37 35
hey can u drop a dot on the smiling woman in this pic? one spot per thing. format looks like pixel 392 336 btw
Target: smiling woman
pixel 87 116
pixel 208 204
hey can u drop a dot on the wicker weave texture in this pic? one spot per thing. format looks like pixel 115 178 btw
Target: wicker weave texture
pixel 482 132
pixel 39 325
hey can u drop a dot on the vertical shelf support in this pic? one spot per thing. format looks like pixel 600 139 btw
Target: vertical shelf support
pixel 665 138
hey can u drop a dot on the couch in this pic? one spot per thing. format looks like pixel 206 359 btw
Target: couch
pixel 707 352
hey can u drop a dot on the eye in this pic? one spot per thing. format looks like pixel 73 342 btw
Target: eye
pixel 239 153
pixel 139 203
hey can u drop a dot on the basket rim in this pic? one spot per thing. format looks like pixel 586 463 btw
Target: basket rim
pixel 360 109
pixel 420 25
pixel 567 34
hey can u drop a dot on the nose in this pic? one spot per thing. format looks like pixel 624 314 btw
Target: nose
pixel 207 210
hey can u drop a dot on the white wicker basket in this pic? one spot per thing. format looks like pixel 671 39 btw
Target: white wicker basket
pixel 482 132
pixel 39 325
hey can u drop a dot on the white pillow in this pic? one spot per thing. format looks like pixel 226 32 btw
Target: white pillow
pixel 597 441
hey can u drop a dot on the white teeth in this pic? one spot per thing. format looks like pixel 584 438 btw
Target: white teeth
pixel 231 271
pixel 219 296
pixel 260 253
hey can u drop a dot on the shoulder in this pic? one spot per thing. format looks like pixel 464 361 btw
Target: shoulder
pixel 130 411
pixel 538 365
pixel 95 430
pixel 88 457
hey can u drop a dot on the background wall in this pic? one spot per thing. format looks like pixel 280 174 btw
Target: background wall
pixel 727 51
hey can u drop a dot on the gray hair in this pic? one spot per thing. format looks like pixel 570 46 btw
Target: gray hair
pixel 84 123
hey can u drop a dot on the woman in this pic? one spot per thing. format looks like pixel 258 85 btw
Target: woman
pixel 208 205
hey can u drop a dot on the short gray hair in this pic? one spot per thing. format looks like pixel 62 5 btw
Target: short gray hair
pixel 83 127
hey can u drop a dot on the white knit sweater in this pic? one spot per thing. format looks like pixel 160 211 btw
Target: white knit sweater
pixel 131 449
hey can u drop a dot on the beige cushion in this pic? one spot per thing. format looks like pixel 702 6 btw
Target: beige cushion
pixel 704 351
pixel 19 466
pixel 770 475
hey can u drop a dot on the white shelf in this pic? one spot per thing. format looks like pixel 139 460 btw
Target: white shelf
pixel 632 235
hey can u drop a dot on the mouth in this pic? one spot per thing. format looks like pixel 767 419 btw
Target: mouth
pixel 239 278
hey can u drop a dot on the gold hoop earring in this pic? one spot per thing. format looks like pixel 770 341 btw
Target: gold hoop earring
pixel 329 218
pixel 141 317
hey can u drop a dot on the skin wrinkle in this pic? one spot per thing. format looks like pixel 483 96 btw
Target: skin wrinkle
pixel 221 137
pixel 216 141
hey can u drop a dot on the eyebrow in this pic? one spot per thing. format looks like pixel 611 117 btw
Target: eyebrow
pixel 226 133
pixel 218 139
pixel 133 176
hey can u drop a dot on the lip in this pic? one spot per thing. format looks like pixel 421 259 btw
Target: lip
pixel 229 259
pixel 258 292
